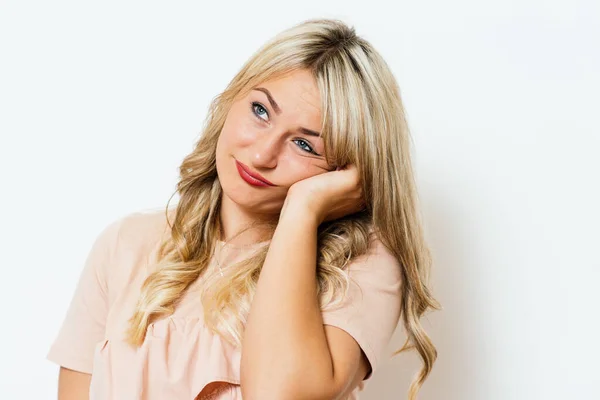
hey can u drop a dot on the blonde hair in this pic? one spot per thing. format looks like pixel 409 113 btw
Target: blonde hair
pixel 363 123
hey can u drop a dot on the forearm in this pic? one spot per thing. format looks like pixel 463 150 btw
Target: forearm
pixel 284 349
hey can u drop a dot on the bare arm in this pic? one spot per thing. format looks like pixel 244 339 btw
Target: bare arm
pixel 73 385
pixel 287 352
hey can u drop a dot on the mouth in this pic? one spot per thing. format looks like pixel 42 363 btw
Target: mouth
pixel 251 177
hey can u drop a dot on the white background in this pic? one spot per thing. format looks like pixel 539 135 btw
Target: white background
pixel 99 103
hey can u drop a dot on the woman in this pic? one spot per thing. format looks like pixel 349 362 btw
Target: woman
pixel 292 253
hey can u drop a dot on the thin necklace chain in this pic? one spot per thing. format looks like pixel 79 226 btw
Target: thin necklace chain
pixel 225 243
pixel 221 250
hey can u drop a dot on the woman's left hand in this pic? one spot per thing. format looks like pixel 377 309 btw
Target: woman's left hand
pixel 327 196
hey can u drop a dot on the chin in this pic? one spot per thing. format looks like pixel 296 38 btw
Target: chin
pixel 249 200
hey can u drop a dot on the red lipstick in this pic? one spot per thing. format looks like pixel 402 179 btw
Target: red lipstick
pixel 251 177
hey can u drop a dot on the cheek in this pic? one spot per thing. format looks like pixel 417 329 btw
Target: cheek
pixel 298 168
pixel 237 133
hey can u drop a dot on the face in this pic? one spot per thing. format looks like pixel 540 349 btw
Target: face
pixel 273 133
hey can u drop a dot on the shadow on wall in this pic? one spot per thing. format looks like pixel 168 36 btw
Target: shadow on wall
pixel 457 330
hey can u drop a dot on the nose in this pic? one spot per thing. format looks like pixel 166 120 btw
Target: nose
pixel 266 150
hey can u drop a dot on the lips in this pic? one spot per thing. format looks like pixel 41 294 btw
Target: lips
pixel 251 177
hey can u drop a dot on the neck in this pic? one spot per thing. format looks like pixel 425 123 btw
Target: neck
pixel 234 219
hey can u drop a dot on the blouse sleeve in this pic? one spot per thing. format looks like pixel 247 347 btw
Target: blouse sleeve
pixel 84 323
pixel 371 310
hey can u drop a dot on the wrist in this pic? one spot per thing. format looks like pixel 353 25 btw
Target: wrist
pixel 297 213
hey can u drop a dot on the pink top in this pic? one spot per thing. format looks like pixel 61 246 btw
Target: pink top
pixel 180 357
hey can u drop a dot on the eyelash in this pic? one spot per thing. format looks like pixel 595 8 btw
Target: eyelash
pixel 255 104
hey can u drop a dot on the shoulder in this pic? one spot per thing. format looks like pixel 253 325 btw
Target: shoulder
pixel 133 238
pixel 144 227
pixel 378 262
pixel 374 278
pixel 125 247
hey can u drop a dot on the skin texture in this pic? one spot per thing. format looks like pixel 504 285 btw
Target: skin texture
pixel 73 385
pixel 270 144
pixel 285 310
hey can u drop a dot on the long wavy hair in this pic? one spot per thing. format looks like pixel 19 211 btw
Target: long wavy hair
pixel 363 122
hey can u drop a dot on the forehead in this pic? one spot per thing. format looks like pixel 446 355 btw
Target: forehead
pixel 295 92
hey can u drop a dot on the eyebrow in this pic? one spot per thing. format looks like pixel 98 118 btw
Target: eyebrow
pixel 277 109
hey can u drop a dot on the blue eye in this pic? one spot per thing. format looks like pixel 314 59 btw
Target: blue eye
pixel 259 110
pixel 254 106
pixel 306 148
